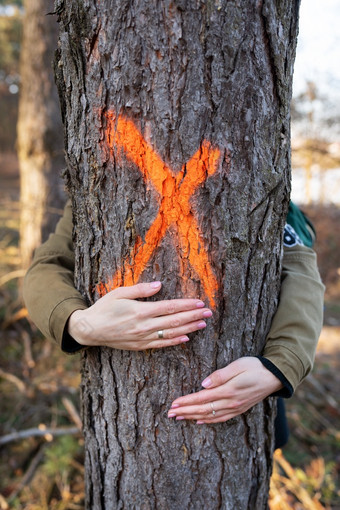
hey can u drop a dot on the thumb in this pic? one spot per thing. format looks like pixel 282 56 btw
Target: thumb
pixel 223 375
pixel 140 290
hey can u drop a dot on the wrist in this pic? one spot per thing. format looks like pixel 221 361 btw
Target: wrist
pixel 286 390
pixel 79 328
pixel 274 383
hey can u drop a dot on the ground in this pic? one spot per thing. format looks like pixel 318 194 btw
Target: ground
pixel 40 391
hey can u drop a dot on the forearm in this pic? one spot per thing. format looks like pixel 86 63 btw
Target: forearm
pixel 49 292
pixel 50 295
pixel 292 339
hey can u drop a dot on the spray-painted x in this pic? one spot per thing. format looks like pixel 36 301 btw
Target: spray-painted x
pixel 175 209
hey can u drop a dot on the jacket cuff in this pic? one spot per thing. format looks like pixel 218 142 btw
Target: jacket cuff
pixel 58 323
pixel 286 361
pixel 69 344
pixel 285 392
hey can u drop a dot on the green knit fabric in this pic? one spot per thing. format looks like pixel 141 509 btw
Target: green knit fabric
pixel 301 224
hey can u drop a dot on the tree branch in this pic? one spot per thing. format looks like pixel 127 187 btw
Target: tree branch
pixel 37 432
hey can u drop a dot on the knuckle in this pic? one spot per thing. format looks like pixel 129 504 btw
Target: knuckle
pixel 204 410
pixel 218 378
pixel 201 399
pixel 175 323
pixel 230 393
pixel 133 332
pixel 140 314
pixel 199 315
pixel 142 330
pixel 235 405
pixel 141 288
pixel 169 333
pixel 170 308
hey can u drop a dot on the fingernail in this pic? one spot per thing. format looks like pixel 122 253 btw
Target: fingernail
pixel 201 325
pixel 208 313
pixel 184 339
pixel 155 285
pixel 171 415
pixel 199 422
pixel 199 304
pixel 174 406
pixel 207 382
pixel 180 418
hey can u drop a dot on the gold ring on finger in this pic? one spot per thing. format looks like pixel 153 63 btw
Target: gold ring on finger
pixel 160 333
pixel 212 407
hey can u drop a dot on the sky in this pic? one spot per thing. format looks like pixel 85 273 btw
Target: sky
pixel 318 51
pixel 318 60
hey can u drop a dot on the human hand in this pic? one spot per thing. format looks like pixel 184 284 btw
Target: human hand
pixel 117 320
pixel 229 392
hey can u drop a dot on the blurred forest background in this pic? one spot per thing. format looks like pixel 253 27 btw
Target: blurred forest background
pixel 41 444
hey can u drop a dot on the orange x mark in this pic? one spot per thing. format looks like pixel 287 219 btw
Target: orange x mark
pixel 175 192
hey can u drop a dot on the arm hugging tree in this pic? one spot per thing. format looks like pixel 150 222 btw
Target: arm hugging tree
pixel 177 138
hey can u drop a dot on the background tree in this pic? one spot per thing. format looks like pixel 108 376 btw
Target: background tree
pixel 145 86
pixel 10 37
pixel 39 129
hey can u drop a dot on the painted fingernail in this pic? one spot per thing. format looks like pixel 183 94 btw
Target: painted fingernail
pixel 208 313
pixel 199 304
pixel 174 406
pixel 155 285
pixel 171 415
pixel 201 324
pixel 199 422
pixel 184 339
pixel 180 418
pixel 207 382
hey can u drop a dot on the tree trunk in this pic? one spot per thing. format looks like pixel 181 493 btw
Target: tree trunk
pixel 178 148
pixel 40 132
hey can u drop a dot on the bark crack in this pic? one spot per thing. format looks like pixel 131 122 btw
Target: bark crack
pixel 237 55
pixel 271 54
pixel 115 426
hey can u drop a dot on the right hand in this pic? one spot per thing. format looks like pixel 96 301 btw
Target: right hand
pixel 117 320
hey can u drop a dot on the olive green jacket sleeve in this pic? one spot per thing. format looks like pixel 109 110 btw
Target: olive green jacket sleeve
pixel 49 292
pixel 295 330
pixel 51 298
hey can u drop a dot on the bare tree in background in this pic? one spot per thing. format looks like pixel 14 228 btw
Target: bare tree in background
pixel 178 146
pixel 40 134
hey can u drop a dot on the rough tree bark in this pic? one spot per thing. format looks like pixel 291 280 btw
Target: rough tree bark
pixel 40 131
pixel 145 86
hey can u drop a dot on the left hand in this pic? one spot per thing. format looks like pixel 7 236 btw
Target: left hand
pixel 228 392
